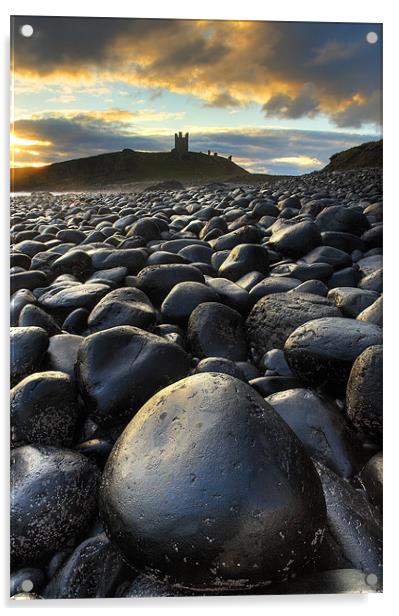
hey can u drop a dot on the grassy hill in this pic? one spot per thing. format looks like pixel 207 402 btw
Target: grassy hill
pixel 365 155
pixel 126 167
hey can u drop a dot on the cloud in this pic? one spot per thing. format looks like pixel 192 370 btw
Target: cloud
pixel 284 106
pixel 222 63
pixel 54 137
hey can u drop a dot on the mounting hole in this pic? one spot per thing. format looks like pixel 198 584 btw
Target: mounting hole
pixel 372 579
pixel 372 37
pixel 26 30
pixel 27 585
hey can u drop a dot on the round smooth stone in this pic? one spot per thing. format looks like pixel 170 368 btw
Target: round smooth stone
pixel 53 499
pixel 275 317
pixel 120 368
pixel 28 346
pixel 183 299
pixel 27 280
pixel 215 330
pixel 156 281
pixel 374 313
pixel 18 301
pixel 352 301
pixel 44 410
pixel 320 426
pixel 243 259
pixel 364 393
pixel 65 300
pixel 32 315
pixel 208 486
pixel 355 524
pixel 230 293
pixel 221 365
pixel 62 353
pixel 321 352
pixel 94 570
pixel 123 306
pixel 295 239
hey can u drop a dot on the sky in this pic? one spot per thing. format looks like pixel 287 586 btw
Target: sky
pixel 280 97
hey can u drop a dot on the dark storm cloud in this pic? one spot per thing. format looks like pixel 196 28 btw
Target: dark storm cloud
pixel 284 106
pixel 292 69
pixel 270 150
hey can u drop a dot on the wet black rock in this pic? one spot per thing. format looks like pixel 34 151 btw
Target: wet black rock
pixel 18 301
pixel 156 281
pixel 272 285
pixel 230 293
pixel 183 299
pixel 268 385
pixel 275 317
pixel 320 426
pixel 364 393
pixel 374 313
pixel 97 449
pixel 62 353
pixel 352 301
pixel 313 271
pixel 28 346
pixel 27 280
pixel 75 262
pixel 355 525
pixel 321 352
pixel 371 477
pixel 63 301
pixel 259 517
pixel 221 365
pixel 246 235
pixel 344 219
pixel 123 306
pixel 120 368
pixel 296 239
pixel 326 254
pixel 215 330
pixel 243 259
pixel 76 321
pixel 53 499
pixel 32 315
pixel 94 570
pixel 44 410
pixel 132 258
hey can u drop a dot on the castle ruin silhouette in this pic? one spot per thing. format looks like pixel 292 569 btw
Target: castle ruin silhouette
pixel 181 147
pixel 181 144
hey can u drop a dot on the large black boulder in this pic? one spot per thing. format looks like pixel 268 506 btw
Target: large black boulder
pixel 208 486
pixel 215 330
pixel 123 306
pixel 364 393
pixel 275 317
pixel 120 368
pixel 28 346
pixel 44 410
pixel 156 281
pixel 53 499
pixel 321 352
pixel 321 427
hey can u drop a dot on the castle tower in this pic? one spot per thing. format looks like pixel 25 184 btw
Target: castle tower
pixel 181 144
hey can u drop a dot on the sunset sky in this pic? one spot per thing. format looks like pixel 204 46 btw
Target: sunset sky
pixel 280 97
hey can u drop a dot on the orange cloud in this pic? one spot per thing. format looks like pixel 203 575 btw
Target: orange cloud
pixel 222 63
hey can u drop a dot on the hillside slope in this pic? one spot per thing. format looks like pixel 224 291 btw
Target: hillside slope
pixel 96 172
pixel 365 155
